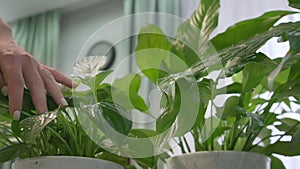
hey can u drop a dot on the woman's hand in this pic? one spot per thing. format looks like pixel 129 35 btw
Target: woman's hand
pixel 18 69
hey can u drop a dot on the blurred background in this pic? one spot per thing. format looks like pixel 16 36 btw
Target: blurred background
pixel 55 31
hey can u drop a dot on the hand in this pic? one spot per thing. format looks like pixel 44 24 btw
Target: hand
pixel 18 69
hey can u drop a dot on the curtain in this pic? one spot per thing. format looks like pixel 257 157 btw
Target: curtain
pixel 39 35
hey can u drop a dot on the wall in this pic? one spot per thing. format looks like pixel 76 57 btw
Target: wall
pixel 78 25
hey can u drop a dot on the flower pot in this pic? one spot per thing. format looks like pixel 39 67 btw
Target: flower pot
pixel 64 162
pixel 218 160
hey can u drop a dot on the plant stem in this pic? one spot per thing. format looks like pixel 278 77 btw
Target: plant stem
pixel 238 136
pixel 62 139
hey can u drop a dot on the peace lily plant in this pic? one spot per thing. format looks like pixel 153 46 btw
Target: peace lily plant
pixel 180 67
pixel 259 85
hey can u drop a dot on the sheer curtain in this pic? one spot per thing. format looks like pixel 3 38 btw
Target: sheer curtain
pixel 39 35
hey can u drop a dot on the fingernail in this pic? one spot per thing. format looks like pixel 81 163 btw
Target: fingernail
pixel 4 90
pixel 17 115
pixel 63 102
pixel 74 84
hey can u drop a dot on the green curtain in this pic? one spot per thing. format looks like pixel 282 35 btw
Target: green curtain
pixel 39 35
pixel 164 6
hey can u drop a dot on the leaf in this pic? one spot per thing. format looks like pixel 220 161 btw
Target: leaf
pixel 192 39
pixel 231 89
pixel 168 117
pixel 288 125
pixel 254 72
pixel 285 62
pixel 11 152
pixel 265 133
pixel 246 29
pixel 283 148
pixel 244 51
pixel 230 108
pixel 294 3
pixel 104 92
pixel 142 133
pixel 89 66
pixel 125 93
pixel 276 163
pixel 101 76
pixel 117 117
pixel 152 52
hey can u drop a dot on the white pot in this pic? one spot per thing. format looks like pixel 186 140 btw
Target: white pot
pixel 219 160
pixel 64 162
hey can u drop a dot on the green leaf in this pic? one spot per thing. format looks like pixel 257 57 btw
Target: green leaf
pixel 104 92
pixel 287 61
pixel 276 163
pixel 168 117
pixel 246 29
pixel 230 108
pixel 101 76
pixel 13 151
pixel 143 133
pixel 288 125
pixel 192 39
pixel 254 72
pixel 238 55
pixel 117 117
pixel 290 148
pixel 125 93
pixel 206 16
pixel 152 52
pixel 294 3
pixel 283 148
pixel 231 89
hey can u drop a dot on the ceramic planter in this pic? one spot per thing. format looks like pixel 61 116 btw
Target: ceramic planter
pixel 64 162
pixel 219 160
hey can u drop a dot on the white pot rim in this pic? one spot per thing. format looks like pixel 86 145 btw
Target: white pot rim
pixel 61 156
pixel 221 152
pixel 57 159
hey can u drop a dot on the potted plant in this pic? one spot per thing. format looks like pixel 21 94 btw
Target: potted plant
pixel 181 67
pixel 244 123
pixel 59 138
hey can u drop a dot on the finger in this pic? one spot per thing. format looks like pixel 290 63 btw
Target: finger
pixel 52 87
pixel 35 84
pixel 15 87
pixel 12 75
pixel 61 78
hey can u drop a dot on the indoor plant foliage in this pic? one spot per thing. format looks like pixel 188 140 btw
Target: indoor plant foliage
pixel 241 124
pixel 59 132
pixel 246 120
